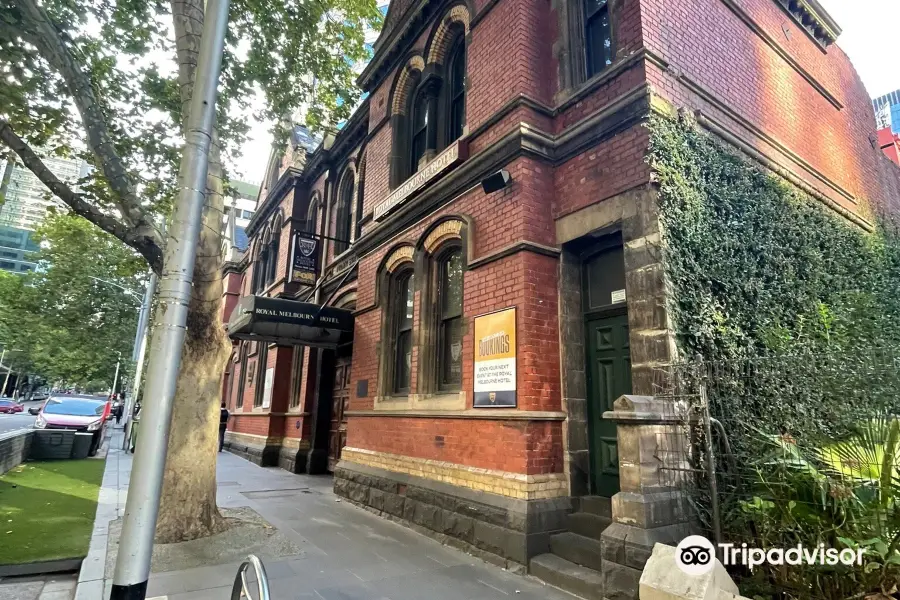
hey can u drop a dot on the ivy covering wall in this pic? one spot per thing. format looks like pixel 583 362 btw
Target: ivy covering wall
pixel 790 316
pixel 759 268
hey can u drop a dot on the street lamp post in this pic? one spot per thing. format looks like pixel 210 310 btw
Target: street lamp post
pixel 145 487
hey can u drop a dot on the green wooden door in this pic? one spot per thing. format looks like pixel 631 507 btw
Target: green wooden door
pixel 609 376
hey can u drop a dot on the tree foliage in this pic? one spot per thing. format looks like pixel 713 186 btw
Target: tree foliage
pixel 67 325
pixel 100 79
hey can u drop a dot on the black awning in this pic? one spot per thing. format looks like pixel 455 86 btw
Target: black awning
pixel 290 322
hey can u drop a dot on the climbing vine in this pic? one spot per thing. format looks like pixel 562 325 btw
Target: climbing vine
pixel 790 316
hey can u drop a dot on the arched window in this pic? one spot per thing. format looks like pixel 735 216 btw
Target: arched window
pixel 449 313
pixel 598 36
pixel 343 226
pixel 261 265
pixel 272 266
pixel 402 305
pixel 312 218
pixel 418 131
pixel 456 90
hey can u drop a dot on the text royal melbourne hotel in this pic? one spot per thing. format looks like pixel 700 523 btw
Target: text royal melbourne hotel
pixel 441 302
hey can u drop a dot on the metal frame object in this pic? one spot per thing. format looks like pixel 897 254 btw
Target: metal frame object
pixel 239 589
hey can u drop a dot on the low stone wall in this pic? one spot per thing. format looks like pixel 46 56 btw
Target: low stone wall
pixel 502 530
pixel 14 449
pixel 257 449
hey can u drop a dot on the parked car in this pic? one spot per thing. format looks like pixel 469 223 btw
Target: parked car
pixel 10 407
pixel 76 412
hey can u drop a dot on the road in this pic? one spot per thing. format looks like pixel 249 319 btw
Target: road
pixel 21 420
pixel 12 422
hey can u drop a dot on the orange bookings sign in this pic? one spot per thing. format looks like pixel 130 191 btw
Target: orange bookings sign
pixel 495 359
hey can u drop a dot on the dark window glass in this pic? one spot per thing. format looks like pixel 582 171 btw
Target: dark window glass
pixel 404 323
pixel 457 91
pixel 597 35
pixel 311 220
pixel 450 296
pixel 418 131
pixel 260 270
pixel 342 230
pixel 273 258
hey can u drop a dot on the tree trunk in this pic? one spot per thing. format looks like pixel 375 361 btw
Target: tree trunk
pixel 7 175
pixel 188 504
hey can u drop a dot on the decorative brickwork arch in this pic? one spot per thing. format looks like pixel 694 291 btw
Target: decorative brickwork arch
pixel 443 35
pixel 401 255
pixel 446 230
pixel 405 84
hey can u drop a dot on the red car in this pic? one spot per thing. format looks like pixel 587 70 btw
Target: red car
pixel 78 413
pixel 10 407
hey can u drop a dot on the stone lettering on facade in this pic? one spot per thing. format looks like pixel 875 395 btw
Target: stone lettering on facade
pixel 443 161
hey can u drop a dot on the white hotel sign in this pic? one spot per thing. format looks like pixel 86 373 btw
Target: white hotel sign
pixel 443 161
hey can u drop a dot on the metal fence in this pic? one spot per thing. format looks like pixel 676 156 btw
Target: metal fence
pixel 783 450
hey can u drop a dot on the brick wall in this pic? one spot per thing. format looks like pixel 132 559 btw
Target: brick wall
pixel 707 43
pixel 513 446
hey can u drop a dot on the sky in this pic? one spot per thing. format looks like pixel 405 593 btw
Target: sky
pixel 870 37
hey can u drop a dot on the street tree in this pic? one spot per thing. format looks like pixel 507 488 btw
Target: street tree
pixel 112 82
pixel 67 320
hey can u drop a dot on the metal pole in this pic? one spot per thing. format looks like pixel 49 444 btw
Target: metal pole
pixel 115 377
pixel 137 354
pixel 6 381
pixel 2 356
pixel 142 506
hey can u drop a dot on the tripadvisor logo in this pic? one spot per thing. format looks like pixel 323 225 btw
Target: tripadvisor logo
pixel 696 555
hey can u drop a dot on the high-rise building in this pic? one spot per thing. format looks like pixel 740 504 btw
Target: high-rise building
pixel 27 199
pixel 887 111
pixel 16 246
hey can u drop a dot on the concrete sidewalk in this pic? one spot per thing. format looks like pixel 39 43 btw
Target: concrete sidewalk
pixel 346 553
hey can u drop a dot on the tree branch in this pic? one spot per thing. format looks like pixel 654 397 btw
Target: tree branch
pixel 143 236
pixel 43 34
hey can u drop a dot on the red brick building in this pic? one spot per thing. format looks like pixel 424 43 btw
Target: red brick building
pixel 889 142
pixel 497 163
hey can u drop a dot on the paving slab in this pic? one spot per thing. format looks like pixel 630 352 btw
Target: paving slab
pixel 337 551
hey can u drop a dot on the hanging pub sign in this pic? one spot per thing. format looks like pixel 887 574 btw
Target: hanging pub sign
pixel 495 359
pixel 305 258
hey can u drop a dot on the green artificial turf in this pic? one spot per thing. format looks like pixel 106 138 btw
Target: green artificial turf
pixel 47 510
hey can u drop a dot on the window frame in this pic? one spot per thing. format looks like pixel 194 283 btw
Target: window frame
pixel 402 290
pixel 591 54
pixel 262 360
pixel 418 103
pixel 455 89
pixel 443 319
pixel 343 210
pixel 272 265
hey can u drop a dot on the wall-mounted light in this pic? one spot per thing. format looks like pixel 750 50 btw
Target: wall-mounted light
pixel 496 182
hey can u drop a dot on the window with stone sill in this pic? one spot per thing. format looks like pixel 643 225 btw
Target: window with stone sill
pixel 449 331
pixel 402 305
pixel 296 377
pixel 240 382
pixel 272 264
pixel 260 375
pixel 343 226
